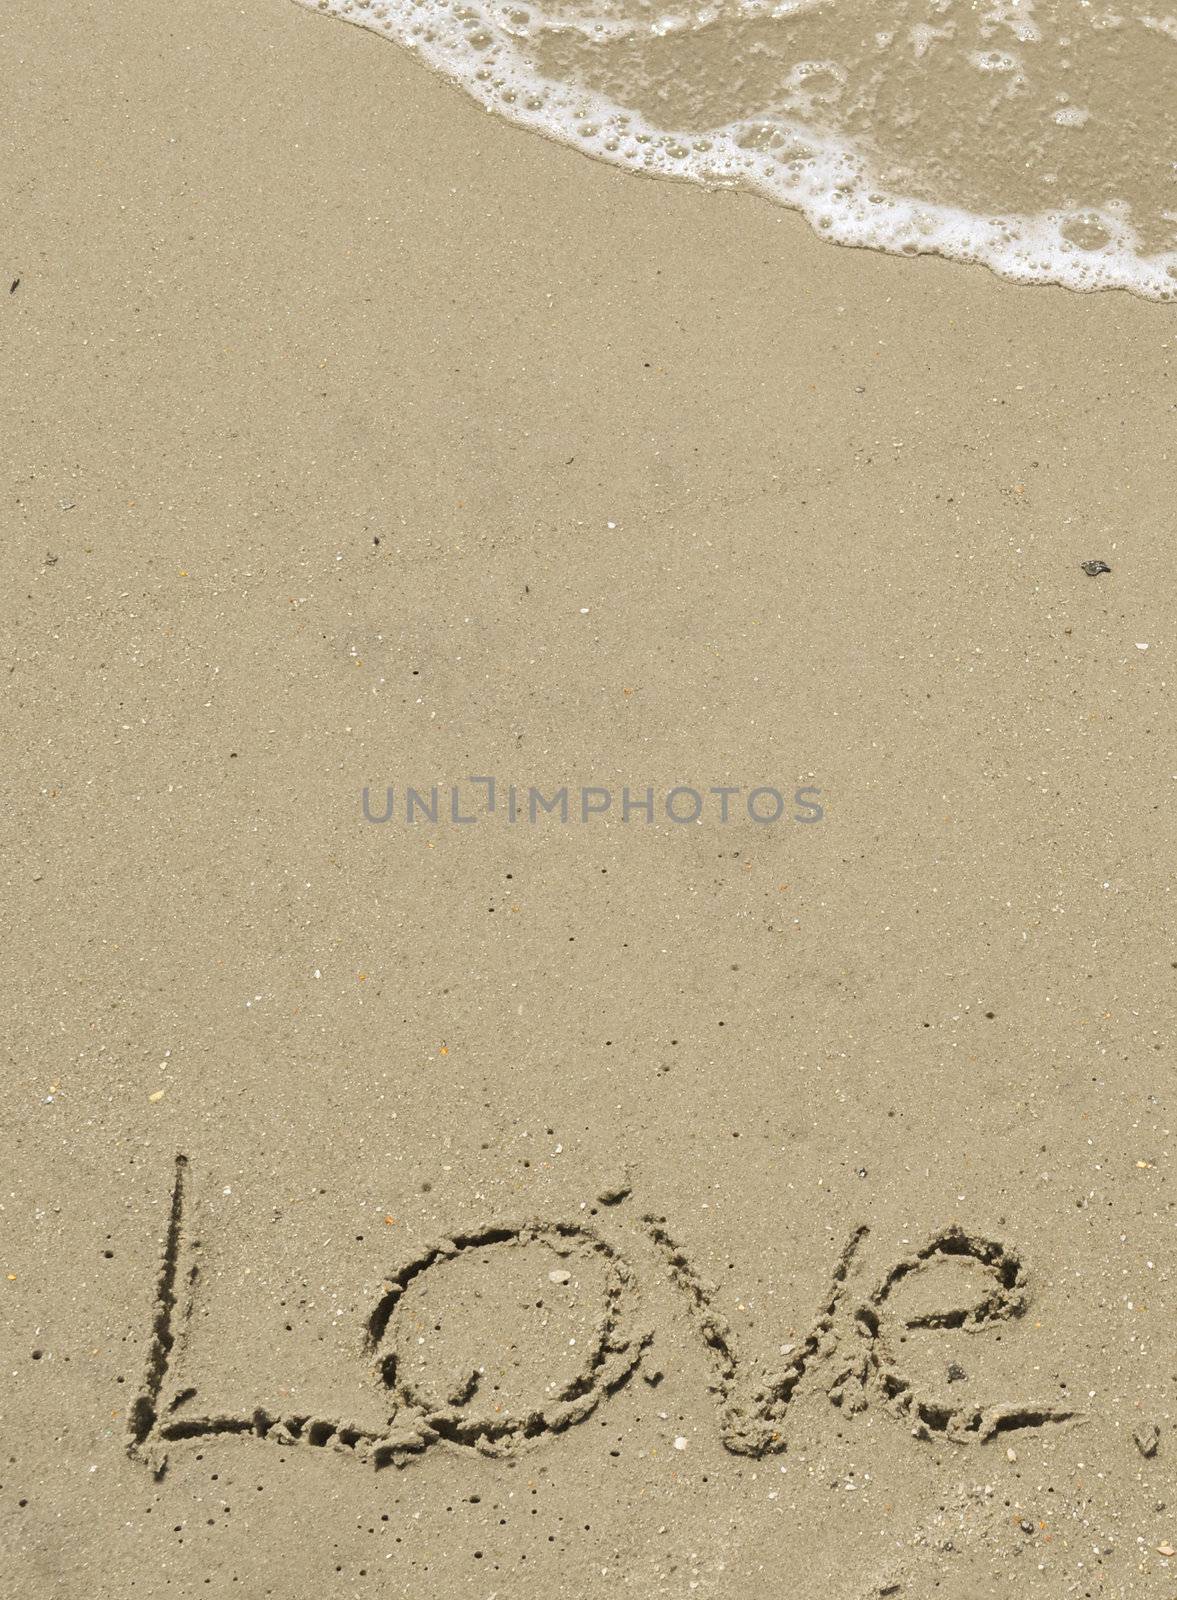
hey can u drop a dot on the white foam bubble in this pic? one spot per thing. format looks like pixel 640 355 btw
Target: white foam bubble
pixel 831 178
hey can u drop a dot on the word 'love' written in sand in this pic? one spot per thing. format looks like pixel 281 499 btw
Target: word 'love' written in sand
pixel 500 1337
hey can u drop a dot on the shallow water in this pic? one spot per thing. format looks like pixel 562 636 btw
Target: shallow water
pixel 1036 136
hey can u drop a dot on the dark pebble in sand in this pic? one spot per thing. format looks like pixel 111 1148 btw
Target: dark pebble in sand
pixel 1094 568
pixel 1147 1439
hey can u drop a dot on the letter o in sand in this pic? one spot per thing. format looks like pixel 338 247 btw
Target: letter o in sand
pixel 506 1334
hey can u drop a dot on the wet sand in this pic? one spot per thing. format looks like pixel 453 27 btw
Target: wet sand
pixel 355 438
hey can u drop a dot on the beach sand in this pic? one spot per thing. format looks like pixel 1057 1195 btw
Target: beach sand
pixel 354 437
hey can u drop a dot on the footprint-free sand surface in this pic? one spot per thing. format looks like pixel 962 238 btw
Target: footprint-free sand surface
pixel 749 1204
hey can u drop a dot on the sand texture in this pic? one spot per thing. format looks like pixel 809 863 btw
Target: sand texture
pixel 519 1208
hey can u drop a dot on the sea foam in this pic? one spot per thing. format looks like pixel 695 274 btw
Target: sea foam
pixel 1038 137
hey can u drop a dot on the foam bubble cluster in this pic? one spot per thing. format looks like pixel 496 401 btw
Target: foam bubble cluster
pixel 1033 136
